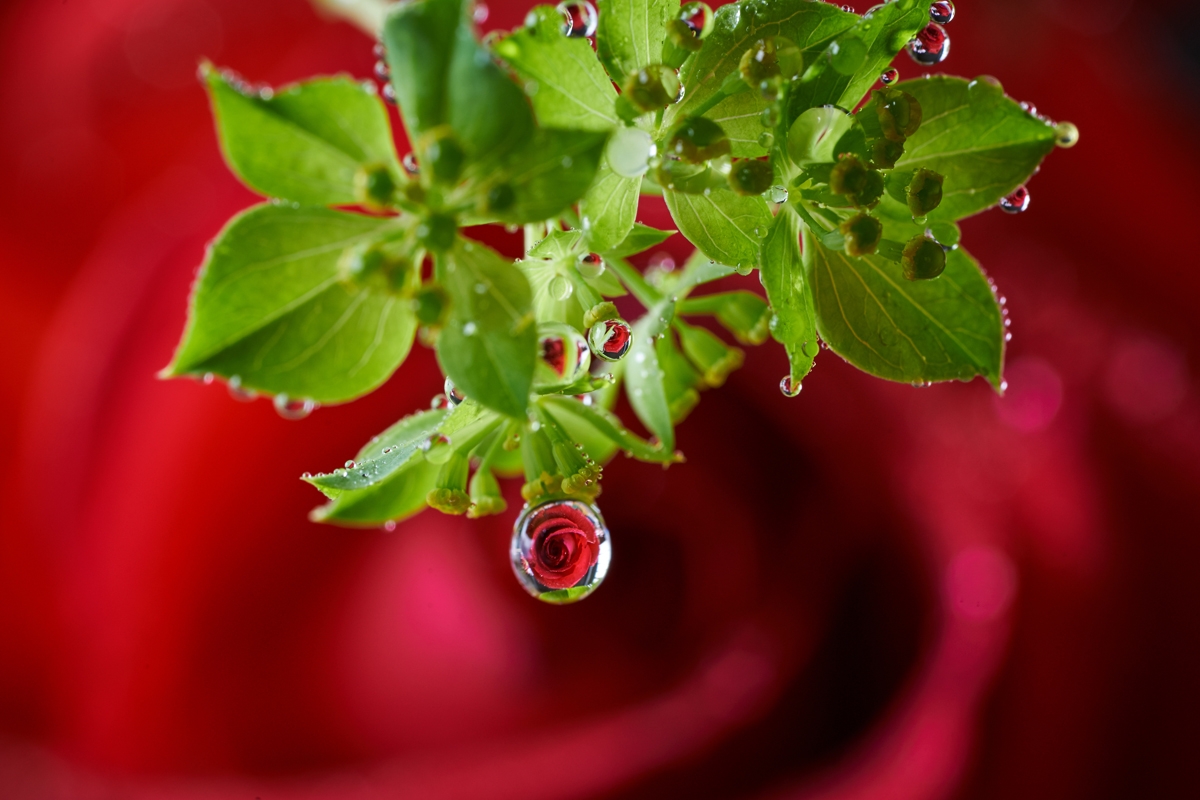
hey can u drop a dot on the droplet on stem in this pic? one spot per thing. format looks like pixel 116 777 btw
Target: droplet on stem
pixel 1016 202
pixel 560 550
pixel 610 339
pixel 789 387
pixel 889 76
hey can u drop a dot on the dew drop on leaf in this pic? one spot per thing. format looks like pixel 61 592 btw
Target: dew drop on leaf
pixel 389 94
pixel 590 265
pixel 560 288
pixel 789 387
pixel 410 164
pixel 480 14
pixel 629 152
pixel 454 395
pixel 560 550
pixel 239 392
pixel 293 409
pixel 579 18
pixel 930 46
pixel 889 76
pixel 1016 202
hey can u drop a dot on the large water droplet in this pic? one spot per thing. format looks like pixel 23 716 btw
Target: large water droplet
pixel 1016 202
pixel 789 387
pixel 930 46
pixel 629 152
pixel 565 356
pixel 889 76
pixel 560 288
pixel 293 409
pixel 579 18
pixel 941 12
pixel 766 140
pixel 1066 134
pixel 454 395
pixel 777 194
pixel 590 265
pixel 560 550
pixel 610 339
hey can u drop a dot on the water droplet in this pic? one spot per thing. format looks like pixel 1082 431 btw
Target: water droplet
pixel 208 378
pixel 389 94
pixel 381 71
pixel 766 140
pixel 379 50
pixel 1016 202
pixel 941 12
pixel 469 328
pixel 629 152
pixel 889 76
pixel 453 394
pixel 350 465
pixel 698 17
pixel 293 409
pixel 789 387
pixel 560 288
pixel 579 18
pixel 1066 134
pixel 610 339
pixel 410 164
pixel 777 194
pixel 390 525
pixel 662 261
pixel 239 392
pixel 930 46
pixel 439 401
pixel 560 550
pixel 590 265
pixel 565 356
pixel 480 14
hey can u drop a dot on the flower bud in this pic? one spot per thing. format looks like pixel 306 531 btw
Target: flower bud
pixel 430 304
pixel 683 36
pixel 710 355
pixel 500 198
pixel 899 113
pixel 924 192
pixel 862 234
pixel 771 59
pixel 374 187
pixel 599 313
pixel 437 232
pixel 885 153
pixel 652 87
pixel 680 176
pixel 449 495
pixel 485 495
pixel 443 154
pixel 698 139
pixel 849 176
pixel 751 176
pixel 923 259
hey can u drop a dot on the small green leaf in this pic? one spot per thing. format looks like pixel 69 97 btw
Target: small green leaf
pixel 681 381
pixel 981 141
pixel 270 307
pixel 489 343
pixel 549 172
pixel 935 330
pixel 567 85
pixel 736 28
pixel 790 294
pixel 644 377
pixel 884 34
pixel 305 142
pixel 640 239
pixel 549 278
pixel 609 425
pixel 404 477
pixel 742 313
pixel 631 33
pixel 726 227
pixel 609 209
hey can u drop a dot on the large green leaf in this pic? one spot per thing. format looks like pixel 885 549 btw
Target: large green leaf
pixel 399 476
pixel 981 141
pixel 442 75
pixel 568 86
pixel 489 343
pixel 269 307
pixel 736 28
pixel 913 331
pixel 882 35
pixel 644 377
pixel 631 33
pixel 305 142
pixel 609 209
pixel 790 294
pixel 726 227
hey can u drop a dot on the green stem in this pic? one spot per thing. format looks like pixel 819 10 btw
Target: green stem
pixel 646 294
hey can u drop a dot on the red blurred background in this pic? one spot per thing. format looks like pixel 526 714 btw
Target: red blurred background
pixel 871 591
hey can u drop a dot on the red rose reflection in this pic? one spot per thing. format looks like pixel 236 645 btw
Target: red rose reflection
pixel 565 544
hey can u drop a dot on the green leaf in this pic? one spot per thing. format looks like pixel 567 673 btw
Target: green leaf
pixel 402 475
pixel 736 27
pixel 936 330
pixel 644 377
pixel 609 425
pixel 542 274
pixel 681 381
pixel 567 85
pixel 609 209
pixel 791 295
pixel 726 227
pixel 884 34
pixel 982 142
pixel 489 343
pixel 599 447
pixel 548 173
pixel 742 313
pixel 442 75
pixel 640 239
pixel 630 34
pixel 269 307
pixel 305 142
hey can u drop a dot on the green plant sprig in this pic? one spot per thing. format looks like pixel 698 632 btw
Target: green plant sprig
pixel 742 120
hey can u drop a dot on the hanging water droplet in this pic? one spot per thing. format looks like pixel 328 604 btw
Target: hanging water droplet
pixel 565 356
pixel 698 17
pixel 579 18
pixel 453 394
pixel 766 139
pixel 560 550
pixel 930 46
pixel 208 378
pixel 590 265
pixel 560 288
pixel 629 152
pixel 410 164
pixel 390 525
pixel 1066 135
pixel 610 339
pixel 379 50
pixel 381 71
pixel 777 194
pixel 480 14
pixel 293 409
pixel 439 401
pixel 789 387
pixel 889 76
pixel 769 117
pixel 941 12
pixel 1016 202
pixel 239 392
pixel 389 94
